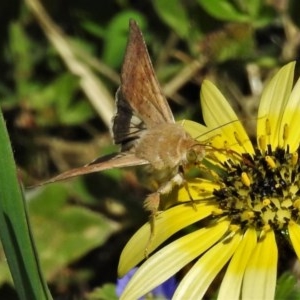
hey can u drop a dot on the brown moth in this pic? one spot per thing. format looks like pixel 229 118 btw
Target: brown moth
pixel 144 127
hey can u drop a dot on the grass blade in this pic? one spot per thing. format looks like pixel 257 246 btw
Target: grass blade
pixel 15 232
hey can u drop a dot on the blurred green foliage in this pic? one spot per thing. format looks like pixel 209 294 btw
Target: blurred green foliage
pixel 287 287
pixel 81 226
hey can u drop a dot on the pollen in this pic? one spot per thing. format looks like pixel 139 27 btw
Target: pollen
pixel 297 204
pixel 295 157
pixel 262 142
pixel 285 132
pixel 268 127
pixel 270 162
pixel 266 202
pixel 245 179
pixel 217 212
pixel 262 190
pixel 237 138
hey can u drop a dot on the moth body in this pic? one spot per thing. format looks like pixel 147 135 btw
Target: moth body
pixel 164 146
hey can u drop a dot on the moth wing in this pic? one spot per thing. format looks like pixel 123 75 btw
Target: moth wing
pixel 139 85
pixel 127 126
pixel 108 162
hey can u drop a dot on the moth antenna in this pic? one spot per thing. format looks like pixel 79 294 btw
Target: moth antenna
pixel 226 124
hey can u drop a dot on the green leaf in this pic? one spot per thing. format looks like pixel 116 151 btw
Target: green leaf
pixel 106 292
pixel 20 52
pixel 77 113
pixel 234 41
pixel 15 231
pixel 223 10
pixel 93 28
pixel 58 98
pixel 287 287
pixel 253 7
pixel 173 13
pixel 77 229
pixel 58 93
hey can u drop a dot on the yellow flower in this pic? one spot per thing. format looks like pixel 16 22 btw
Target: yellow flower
pixel 249 199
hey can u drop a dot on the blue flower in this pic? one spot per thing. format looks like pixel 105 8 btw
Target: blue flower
pixel 163 291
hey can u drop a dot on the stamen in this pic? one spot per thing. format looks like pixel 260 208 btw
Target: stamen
pixel 239 141
pixel 237 138
pixel 295 157
pixel 262 142
pixel 217 212
pixel 297 204
pixel 265 229
pixel 270 161
pixel 268 127
pixel 225 145
pixel 285 133
pixel 233 229
pixel 266 202
pixel 286 203
pixel 247 215
pixel 245 179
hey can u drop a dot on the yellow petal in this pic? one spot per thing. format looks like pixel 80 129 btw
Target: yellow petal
pixel 291 117
pixel 272 104
pixel 199 189
pixel 196 130
pixel 197 280
pixel 260 275
pixel 232 281
pixel 219 116
pixel 294 232
pixel 170 259
pixel 166 224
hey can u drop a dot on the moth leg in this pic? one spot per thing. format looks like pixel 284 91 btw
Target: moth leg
pixel 153 200
pixel 152 204
pixel 190 195
pixel 186 186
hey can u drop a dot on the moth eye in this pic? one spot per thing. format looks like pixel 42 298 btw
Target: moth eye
pixel 191 156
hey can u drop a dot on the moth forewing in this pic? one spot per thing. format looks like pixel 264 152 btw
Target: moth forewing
pixel 139 85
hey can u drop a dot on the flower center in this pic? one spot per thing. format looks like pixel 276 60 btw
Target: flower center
pixel 263 189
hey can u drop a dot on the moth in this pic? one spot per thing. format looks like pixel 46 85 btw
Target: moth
pixel 144 127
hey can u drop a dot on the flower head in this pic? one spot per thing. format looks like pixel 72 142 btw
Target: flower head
pixel 248 199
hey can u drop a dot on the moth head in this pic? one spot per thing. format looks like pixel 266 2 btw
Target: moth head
pixel 195 154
